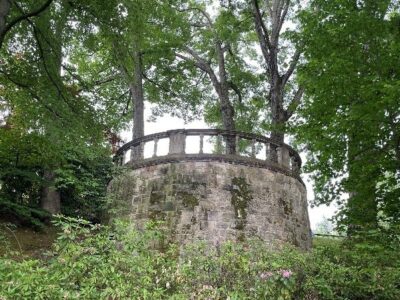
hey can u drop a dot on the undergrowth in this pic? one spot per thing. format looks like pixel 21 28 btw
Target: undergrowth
pixel 117 262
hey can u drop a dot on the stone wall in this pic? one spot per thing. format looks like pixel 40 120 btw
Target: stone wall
pixel 215 201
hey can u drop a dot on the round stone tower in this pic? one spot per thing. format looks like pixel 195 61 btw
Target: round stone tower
pixel 247 187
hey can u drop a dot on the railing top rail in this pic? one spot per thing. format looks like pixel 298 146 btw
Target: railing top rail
pixel 207 132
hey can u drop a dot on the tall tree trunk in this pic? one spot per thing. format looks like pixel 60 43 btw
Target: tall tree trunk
pixel 227 113
pixel 51 48
pixel 277 113
pixel 276 106
pixel 50 199
pixel 227 110
pixel 136 89
pixel 268 22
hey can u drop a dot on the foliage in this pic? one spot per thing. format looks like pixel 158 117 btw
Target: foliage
pixel 349 121
pixel 98 262
pixel 23 214
pixel 325 226
pixel 21 159
pixel 82 175
pixel 82 183
pixel 52 120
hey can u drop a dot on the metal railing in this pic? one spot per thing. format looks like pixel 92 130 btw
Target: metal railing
pixel 231 145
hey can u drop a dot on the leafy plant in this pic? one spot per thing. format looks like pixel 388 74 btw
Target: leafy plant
pixel 117 262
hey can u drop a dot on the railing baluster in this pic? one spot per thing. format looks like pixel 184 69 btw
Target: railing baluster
pixel 155 147
pixel 295 165
pixel 267 151
pixel 253 148
pixel 227 142
pixel 201 143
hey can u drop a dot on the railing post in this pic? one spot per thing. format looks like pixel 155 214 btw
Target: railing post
pixel 267 151
pixel 201 143
pixel 155 147
pixel 283 156
pixel 229 144
pixel 295 165
pixel 275 151
pixel 253 148
pixel 177 142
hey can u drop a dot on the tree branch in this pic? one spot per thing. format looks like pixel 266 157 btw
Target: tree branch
pixel 197 60
pixel 268 5
pixel 199 25
pixel 33 94
pixel 283 15
pixel 236 89
pixel 204 13
pixel 188 59
pixel 165 89
pixel 292 66
pixel 262 33
pixel 294 103
pixel 23 17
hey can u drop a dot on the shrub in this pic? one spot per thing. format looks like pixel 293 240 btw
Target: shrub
pixel 23 215
pixel 99 262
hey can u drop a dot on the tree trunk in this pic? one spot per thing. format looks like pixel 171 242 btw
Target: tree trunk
pixel 136 89
pixel 52 63
pixel 227 110
pixel 50 198
pixel 268 22
pixel 4 11
pixel 278 114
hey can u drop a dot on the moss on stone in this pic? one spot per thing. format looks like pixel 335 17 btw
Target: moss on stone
pixel 157 215
pixel 287 207
pixel 188 199
pixel 241 196
pixel 241 237
pixel 157 197
pixel 169 206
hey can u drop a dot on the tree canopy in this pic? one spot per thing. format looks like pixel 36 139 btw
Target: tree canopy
pixel 73 74
pixel 349 120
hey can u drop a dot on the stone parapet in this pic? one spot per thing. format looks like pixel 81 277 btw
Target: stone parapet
pixel 229 146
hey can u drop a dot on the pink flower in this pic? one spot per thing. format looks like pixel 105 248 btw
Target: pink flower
pixel 286 273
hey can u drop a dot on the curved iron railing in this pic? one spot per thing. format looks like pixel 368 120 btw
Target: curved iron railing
pixel 230 146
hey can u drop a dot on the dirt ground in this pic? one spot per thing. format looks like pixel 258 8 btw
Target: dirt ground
pixel 25 240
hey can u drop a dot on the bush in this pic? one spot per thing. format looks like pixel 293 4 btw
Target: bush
pixel 98 262
pixel 23 214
